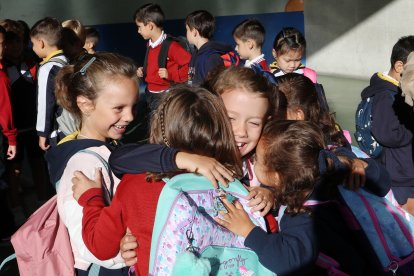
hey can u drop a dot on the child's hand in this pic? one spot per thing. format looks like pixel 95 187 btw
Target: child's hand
pixel 81 183
pixel 43 143
pixel 356 179
pixel 206 166
pixel 11 152
pixel 140 72
pixel 236 220
pixel 261 199
pixel 163 73
pixel 128 245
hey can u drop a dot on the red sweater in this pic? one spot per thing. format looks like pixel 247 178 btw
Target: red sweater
pixel 134 205
pixel 6 119
pixel 177 67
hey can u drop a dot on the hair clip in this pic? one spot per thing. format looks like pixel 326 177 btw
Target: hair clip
pixel 82 71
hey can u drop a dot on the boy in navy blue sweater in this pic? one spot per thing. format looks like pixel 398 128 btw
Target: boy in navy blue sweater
pixel 200 28
pixel 393 124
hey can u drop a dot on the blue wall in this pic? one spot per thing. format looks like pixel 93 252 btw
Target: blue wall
pixel 124 39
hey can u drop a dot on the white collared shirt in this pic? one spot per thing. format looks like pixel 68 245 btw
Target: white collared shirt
pixel 158 41
pixel 257 60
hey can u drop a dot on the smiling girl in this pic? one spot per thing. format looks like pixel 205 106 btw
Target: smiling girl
pixel 101 91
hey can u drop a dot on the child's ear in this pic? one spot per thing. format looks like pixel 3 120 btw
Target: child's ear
pixel 250 44
pixel 399 66
pixel 274 54
pixel 85 105
pixel 42 43
pixel 295 114
pixel 151 25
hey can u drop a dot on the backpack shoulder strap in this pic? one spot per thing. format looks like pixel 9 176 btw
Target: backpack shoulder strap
pixel 8 259
pixel 109 193
pixel 162 56
pixel 57 60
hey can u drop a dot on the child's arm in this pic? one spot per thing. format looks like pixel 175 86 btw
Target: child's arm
pixel 289 251
pixel 46 103
pixel 72 214
pixel 378 180
pixel 6 118
pixel 387 128
pixel 136 159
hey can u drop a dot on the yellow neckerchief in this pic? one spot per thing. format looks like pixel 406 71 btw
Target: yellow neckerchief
pixel 388 78
pixel 74 136
pixel 69 137
pixel 46 59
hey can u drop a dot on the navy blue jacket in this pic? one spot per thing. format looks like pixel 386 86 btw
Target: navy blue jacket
pixel 392 127
pixel 206 59
pixel 135 159
pixel 294 249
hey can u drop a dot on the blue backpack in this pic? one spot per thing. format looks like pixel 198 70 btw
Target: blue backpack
pixel 363 128
pixel 388 230
pixel 186 240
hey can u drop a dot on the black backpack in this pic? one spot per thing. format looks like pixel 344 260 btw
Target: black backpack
pixel 165 46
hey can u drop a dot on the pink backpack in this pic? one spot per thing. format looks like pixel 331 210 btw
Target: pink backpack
pixel 42 244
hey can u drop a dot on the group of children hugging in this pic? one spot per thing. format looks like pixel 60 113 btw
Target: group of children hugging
pixel 229 123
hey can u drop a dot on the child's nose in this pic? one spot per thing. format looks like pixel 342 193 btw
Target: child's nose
pixel 240 130
pixel 128 116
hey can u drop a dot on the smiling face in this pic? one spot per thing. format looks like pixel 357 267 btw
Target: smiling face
pixel 289 61
pixel 112 111
pixel 247 113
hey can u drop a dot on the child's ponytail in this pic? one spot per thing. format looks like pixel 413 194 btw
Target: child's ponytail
pixel 64 97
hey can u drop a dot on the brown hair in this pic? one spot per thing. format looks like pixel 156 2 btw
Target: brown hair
pixel 194 120
pixel 250 29
pixel 150 13
pixel 225 79
pixel 289 39
pixel 292 150
pixel 300 93
pixel 48 29
pixel 71 82
pixel 202 21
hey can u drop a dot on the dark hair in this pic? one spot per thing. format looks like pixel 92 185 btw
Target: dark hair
pixel 202 21
pixel 48 29
pixel 2 30
pixel 92 34
pixel 71 83
pixel 250 29
pixel 224 79
pixel 150 13
pixel 194 120
pixel 300 93
pixel 401 49
pixel 289 39
pixel 13 28
pixel 292 150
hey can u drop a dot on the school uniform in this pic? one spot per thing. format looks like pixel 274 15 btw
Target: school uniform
pixel 393 127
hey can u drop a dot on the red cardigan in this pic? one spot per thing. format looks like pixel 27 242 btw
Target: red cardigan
pixel 177 67
pixel 6 119
pixel 134 205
